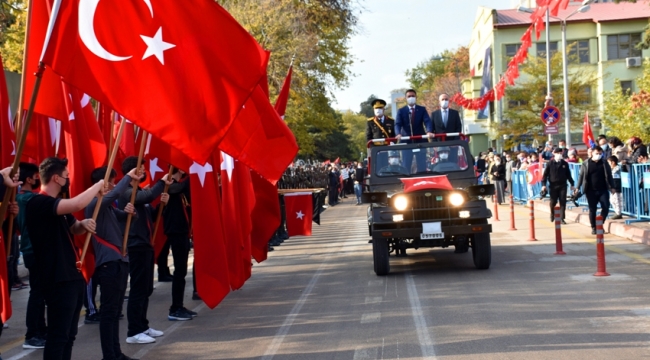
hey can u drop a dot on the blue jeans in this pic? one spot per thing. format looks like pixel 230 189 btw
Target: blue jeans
pixel 357 192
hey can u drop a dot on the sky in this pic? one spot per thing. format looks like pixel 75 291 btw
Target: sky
pixel 396 35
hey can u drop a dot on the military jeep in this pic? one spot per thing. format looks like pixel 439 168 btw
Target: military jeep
pixel 447 213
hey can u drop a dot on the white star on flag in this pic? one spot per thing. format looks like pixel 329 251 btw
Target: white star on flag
pixel 154 168
pixel 227 164
pixel 156 46
pixel 201 171
pixel 300 215
pixel 85 100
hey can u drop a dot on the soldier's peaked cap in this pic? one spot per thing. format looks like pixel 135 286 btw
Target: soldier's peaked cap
pixel 393 153
pixel 378 104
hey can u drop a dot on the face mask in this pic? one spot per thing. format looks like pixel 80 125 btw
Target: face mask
pixel 557 157
pixel 561 146
pixel 444 156
pixel 393 161
pixel 66 188
pixel 444 104
pixel 379 112
pixel 410 100
pixel 507 159
pixel 596 157
pixel 498 162
pixel 604 146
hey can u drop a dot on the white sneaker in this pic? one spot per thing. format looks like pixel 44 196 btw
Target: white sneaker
pixel 141 338
pixel 154 333
pixel 5 326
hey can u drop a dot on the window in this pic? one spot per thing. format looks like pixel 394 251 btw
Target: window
pixel 541 48
pixel 622 46
pixel 579 52
pixel 626 86
pixel 585 99
pixel 512 49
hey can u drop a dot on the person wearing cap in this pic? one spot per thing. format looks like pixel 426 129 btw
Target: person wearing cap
pixel 557 173
pixel 394 166
pixel 444 164
pixel 413 120
pixel 379 126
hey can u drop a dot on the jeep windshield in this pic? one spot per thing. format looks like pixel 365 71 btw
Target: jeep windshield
pixel 443 159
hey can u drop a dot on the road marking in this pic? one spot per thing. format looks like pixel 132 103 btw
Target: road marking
pixel 426 344
pixel 373 299
pixel 371 318
pixel 375 282
pixel 365 354
pixel 284 329
pixel 591 278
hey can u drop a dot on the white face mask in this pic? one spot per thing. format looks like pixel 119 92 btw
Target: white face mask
pixel 393 161
pixel 596 157
pixel 558 157
pixel 444 156
pixel 444 104
pixel 379 112
pixel 410 100
pixel 497 162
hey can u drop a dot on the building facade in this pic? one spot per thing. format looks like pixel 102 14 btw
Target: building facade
pixel 604 38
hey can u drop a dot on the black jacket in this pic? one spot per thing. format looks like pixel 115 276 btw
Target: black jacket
pixel 583 178
pixel 557 173
pixel 376 130
pixel 454 124
pixel 176 213
pixel 140 231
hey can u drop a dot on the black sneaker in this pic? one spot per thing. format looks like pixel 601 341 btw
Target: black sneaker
pixel 179 315
pixel 190 312
pixel 92 319
pixel 593 231
pixel 34 343
pixel 165 278
pixel 195 295
pixel 124 357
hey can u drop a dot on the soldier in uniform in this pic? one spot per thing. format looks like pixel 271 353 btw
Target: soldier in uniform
pixel 394 165
pixel 380 126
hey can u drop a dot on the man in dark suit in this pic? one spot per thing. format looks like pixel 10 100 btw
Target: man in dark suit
pixel 413 120
pixel 446 120
pixel 380 126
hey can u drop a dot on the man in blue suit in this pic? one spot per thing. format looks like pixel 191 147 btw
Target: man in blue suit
pixel 413 120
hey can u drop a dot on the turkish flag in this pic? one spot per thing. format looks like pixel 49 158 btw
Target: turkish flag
pixel 7 132
pixel 426 183
pixel 534 173
pixel 210 254
pixel 283 98
pixel 106 120
pixel 42 138
pixel 260 139
pixel 266 215
pixel 160 156
pixel 126 147
pixel 298 208
pixel 237 203
pixel 587 134
pixel 50 100
pixel 182 72
pixel 5 301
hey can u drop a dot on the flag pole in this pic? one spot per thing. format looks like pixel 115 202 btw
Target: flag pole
pixel 143 142
pixel 98 205
pixel 23 135
pixel 160 208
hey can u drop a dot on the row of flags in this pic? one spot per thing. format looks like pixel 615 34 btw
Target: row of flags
pixel 200 103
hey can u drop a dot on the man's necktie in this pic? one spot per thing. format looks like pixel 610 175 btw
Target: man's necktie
pixel 412 115
pixel 444 117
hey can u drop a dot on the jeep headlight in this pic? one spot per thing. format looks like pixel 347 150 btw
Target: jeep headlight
pixel 400 203
pixel 456 199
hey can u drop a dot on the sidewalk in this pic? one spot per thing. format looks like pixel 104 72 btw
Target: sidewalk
pixel 637 232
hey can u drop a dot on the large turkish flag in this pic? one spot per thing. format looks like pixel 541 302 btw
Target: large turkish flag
pixel 266 216
pixel 180 70
pixel 299 210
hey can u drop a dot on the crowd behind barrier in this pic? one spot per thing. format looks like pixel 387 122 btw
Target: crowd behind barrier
pixel 635 186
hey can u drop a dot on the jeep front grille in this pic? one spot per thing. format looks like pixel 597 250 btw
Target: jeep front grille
pixel 430 207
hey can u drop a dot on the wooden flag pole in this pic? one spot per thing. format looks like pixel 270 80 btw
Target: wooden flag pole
pixel 21 140
pixel 143 142
pixel 98 205
pixel 160 208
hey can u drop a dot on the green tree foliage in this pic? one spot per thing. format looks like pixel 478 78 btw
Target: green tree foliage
pixel 335 144
pixel 13 16
pixel 366 107
pixel 355 130
pixel 317 33
pixel 628 114
pixel 524 102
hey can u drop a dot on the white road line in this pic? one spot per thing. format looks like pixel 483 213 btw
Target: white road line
pixel 426 343
pixel 284 329
pixel 371 318
pixel 373 299
pixel 365 354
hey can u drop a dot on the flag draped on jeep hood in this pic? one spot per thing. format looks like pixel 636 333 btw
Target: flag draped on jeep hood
pixel 440 182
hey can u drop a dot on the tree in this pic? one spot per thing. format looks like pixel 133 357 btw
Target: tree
pixel 628 114
pixel 355 130
pixel 366 107
pixel 13 17
pixel 524 102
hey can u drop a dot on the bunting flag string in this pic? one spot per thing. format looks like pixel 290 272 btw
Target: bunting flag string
pixel 512 72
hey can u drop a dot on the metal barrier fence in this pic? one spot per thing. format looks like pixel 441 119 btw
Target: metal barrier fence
pixel 635 189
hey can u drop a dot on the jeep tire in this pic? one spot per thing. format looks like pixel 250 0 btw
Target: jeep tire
pixel 482 251
pixel 380 256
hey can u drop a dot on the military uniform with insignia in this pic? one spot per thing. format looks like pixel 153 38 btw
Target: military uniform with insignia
pixel 380 126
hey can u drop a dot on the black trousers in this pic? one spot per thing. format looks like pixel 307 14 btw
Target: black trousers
pixel 162 261
pixel 111 277
pixel 594 197
pixel 64 301
pixel 35 314
pixel 141 271
pixel 558 193
pixel 180 244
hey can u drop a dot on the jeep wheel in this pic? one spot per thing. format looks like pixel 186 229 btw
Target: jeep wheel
pixel 380 256
pixel 481 251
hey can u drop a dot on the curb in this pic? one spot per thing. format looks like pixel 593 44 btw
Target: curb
pixel 580 215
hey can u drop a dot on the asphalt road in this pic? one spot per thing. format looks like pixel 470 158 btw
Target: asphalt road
pixel 318 298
